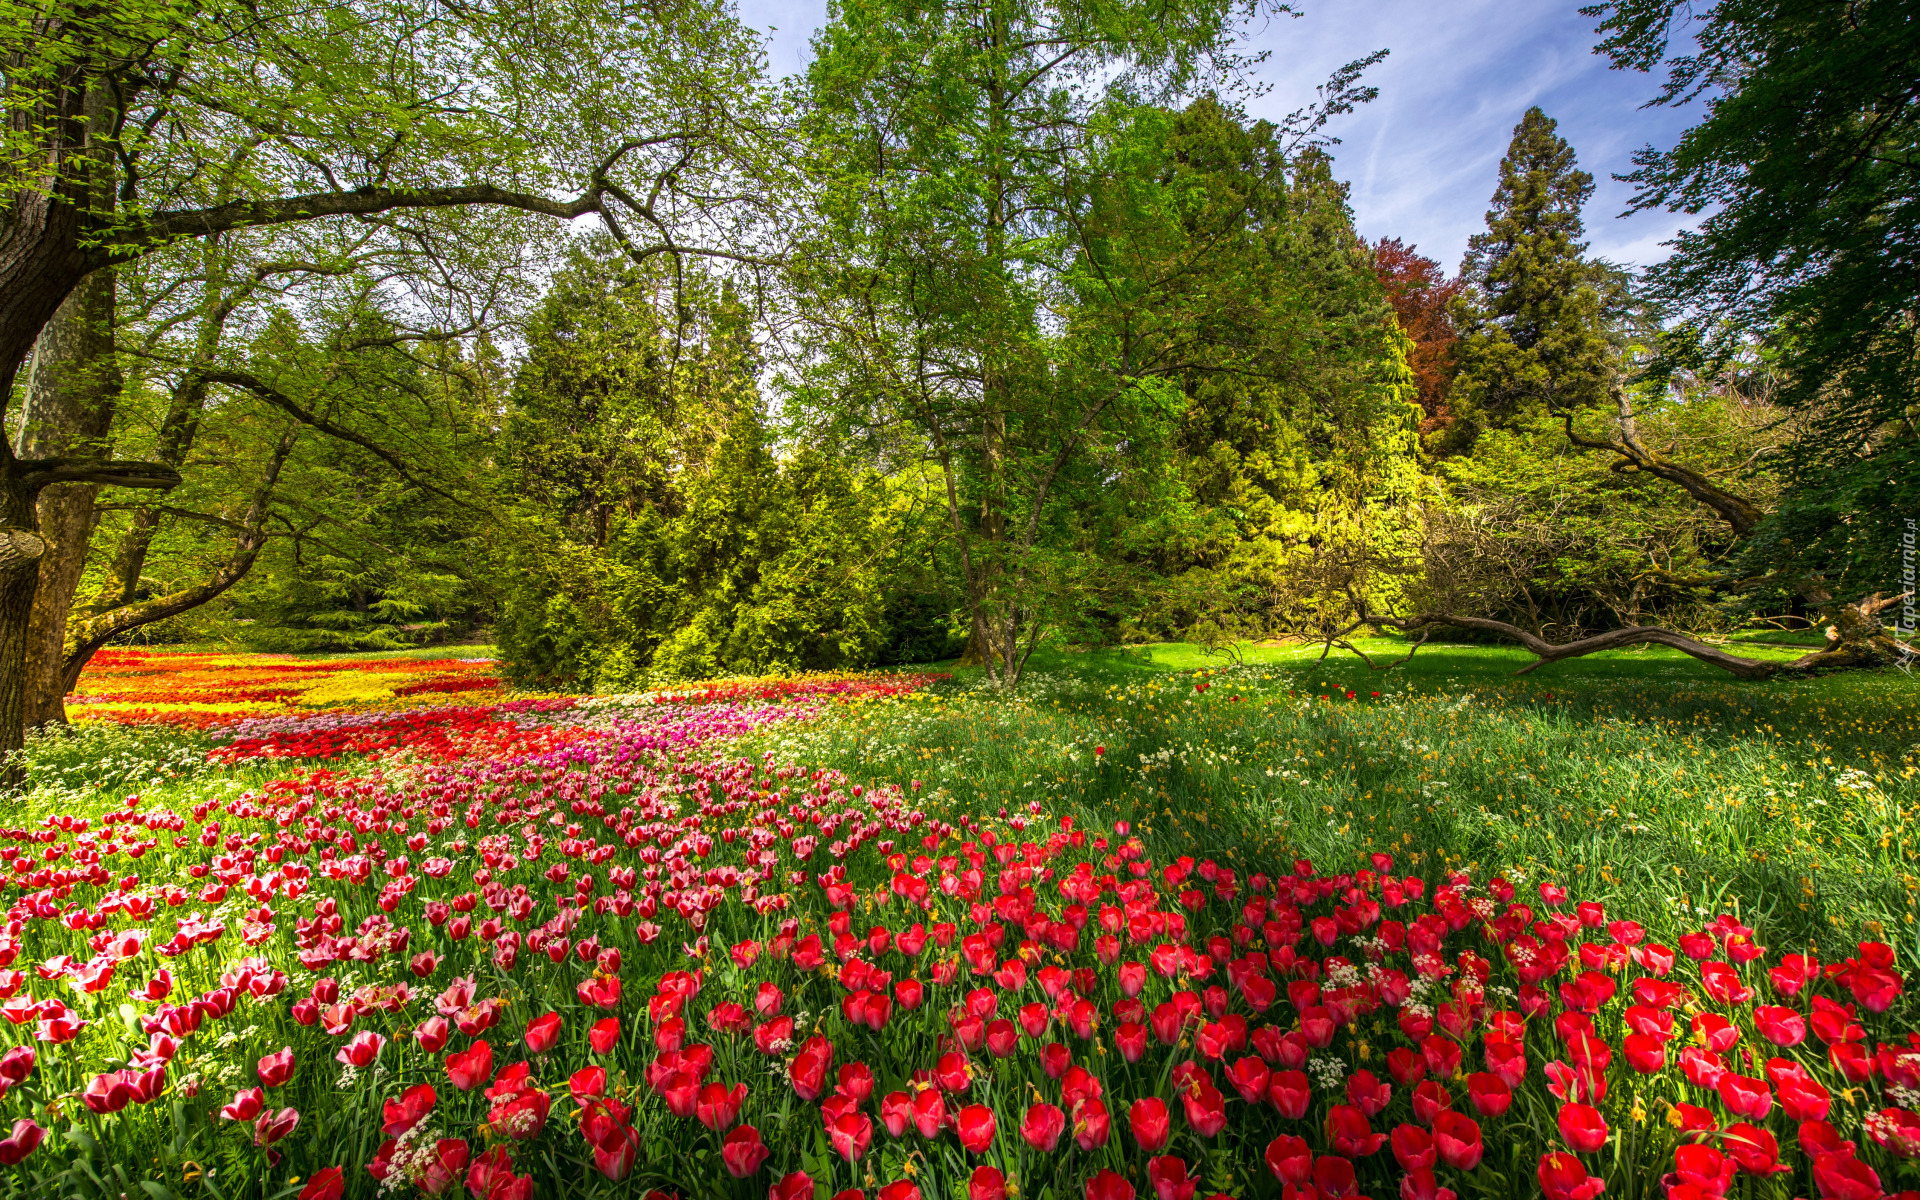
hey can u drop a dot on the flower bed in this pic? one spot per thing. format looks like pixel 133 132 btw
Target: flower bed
pixel 612 955
pixel 209 690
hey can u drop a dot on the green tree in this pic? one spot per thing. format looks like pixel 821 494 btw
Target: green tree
pixel 139 125
pixel 1007 284
pixel 1802 172
pixel 1530 319
pixel 1316 448
pixel 659 530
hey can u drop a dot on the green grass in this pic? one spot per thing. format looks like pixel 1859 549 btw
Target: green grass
pixel 1650 781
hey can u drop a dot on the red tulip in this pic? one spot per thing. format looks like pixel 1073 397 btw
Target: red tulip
pixel 1583 1127
pixel 17 1064
pixel 409 1110
pixel 929 1113
pixel 809 1070
pixel 1168 1178
pixel 276 1068
pixel 1291 1093
pixel 471 1067
pixel 1781 1026
pixel 1130 1039
pixel 271 1127
pixel 1350 1134
pixel 1109 1186
pixel 432 1034
pixel 1745 1097
pixel 245 1106
pixel 1430 1099
pixel 1150 1123
pixel 795 1186
pixel 1333 1178
pixel 325 1184
pixel 601 991
pixel 1703 1167
pixel 1091 1123
pixel 587 1085
pixel 975 1126
pixel 1250 1076
pixel 1507 1058
pixel 1206 1108
pixel 490 1173
pixel 718 1106
pixel 604 1034
pixel 1844 1177
pixel 670 1035
pixel 900 1189
pixel 896 1113
pixel 1290 1159
pixel 361 1049
pixel 1490 1094
pixel 1456 1137
pixel 1043 1126
pixel 1423 1185
pixel 1366 1092
pixel 1412 1147
pixel 1564 1177
pixel 543 1033
pixel 1645 1053
pixel 952 1073
pixel 743 1152
pixel 1002 1037
pixel 615 1159
pixel 987 1183
pixel 1753 1149
pixel 851 1136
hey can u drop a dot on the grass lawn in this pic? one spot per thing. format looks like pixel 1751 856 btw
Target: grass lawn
pixel 1654 781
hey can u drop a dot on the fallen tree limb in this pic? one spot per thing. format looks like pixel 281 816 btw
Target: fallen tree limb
pixel 1865 644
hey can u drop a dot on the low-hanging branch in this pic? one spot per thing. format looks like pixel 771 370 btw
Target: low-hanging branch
pixel 1840 650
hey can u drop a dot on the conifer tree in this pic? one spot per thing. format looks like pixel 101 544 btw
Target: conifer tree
pixel 1530 319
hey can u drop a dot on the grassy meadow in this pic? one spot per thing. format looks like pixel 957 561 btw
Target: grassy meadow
pixel 1656 782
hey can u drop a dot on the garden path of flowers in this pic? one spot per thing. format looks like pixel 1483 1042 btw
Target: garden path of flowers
pixel 459 942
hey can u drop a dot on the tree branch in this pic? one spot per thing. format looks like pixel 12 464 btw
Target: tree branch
pixel 20 551
pixel 1612 639
pixel 38 473
pixel 163 228
pixel 280 400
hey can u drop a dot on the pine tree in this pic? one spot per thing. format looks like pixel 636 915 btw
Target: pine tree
pixel 1530 319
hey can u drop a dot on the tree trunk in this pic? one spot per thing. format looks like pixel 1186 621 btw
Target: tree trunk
pixel 20 551
pixel 71 393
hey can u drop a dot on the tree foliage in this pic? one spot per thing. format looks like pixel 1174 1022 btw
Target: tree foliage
pixel 1803 175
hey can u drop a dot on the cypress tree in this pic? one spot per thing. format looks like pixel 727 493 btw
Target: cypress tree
pixel 1530 317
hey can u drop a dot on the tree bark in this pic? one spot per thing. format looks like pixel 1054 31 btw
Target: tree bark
pixel 72 390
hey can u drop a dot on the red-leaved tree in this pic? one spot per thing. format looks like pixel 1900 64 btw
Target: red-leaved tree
pixel 1420 291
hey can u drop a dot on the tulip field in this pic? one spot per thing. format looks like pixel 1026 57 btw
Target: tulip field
pixel 317 928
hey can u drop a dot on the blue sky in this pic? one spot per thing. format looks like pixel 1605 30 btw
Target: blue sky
pixel 1421 158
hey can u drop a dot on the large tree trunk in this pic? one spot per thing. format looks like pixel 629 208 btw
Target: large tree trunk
pixel 71 394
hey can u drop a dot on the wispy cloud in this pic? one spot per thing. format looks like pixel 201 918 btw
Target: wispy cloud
pixel 1422 158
